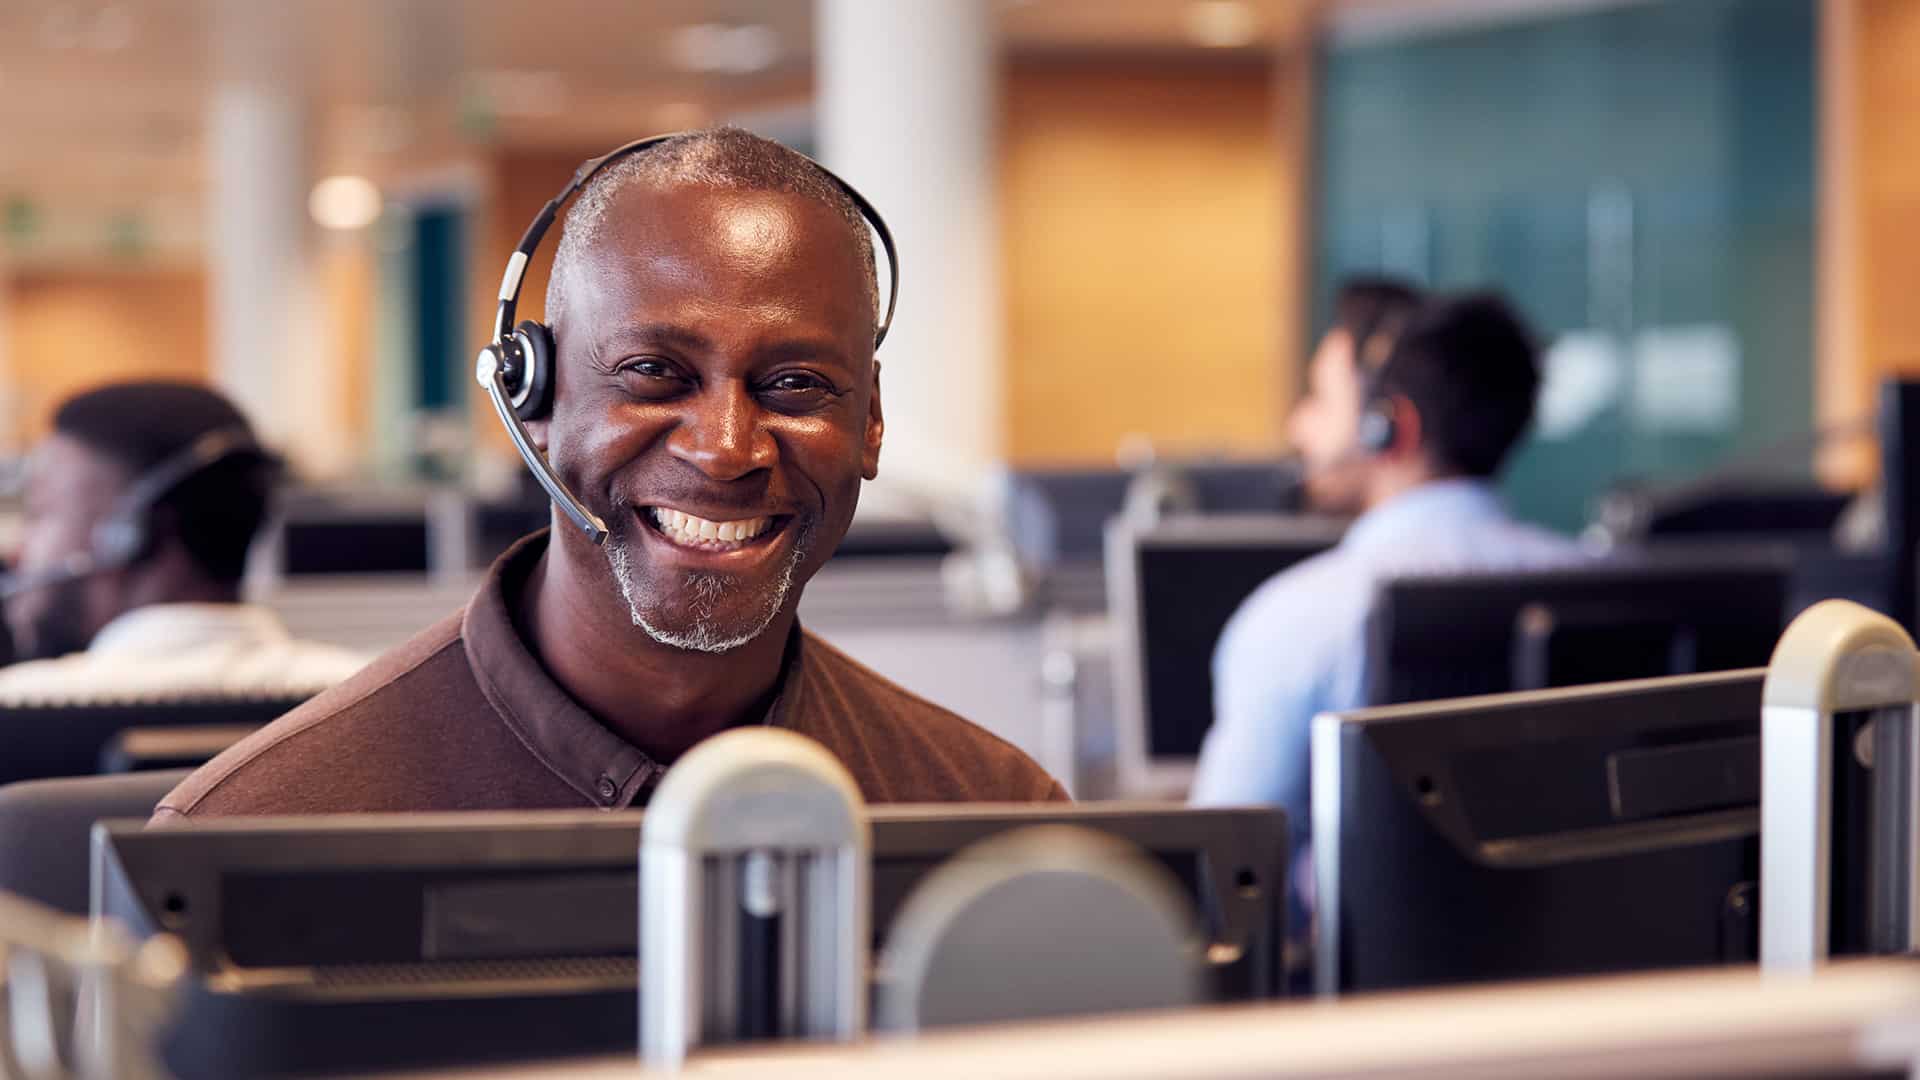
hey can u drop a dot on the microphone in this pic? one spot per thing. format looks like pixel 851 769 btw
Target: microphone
pixel 487 372
pixel 75 566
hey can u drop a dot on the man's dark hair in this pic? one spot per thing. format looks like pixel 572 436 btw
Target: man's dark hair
pixel 1371 309
pixel 215 512
pixel 1471 369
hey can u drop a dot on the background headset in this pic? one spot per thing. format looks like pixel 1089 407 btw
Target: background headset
pixel 125 535
pixel 1379 427
pixel 516 367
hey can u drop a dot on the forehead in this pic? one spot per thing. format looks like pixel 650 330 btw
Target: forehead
pixel 729 248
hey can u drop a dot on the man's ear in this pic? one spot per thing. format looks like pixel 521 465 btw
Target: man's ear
pixel 1409 431
pixel 876 430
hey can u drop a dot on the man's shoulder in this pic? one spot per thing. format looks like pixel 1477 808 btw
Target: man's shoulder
pixel 1318 598
pixel 62 678
pixel 931 752
pixel 331 730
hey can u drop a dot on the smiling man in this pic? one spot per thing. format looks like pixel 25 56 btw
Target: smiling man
pixel 717 404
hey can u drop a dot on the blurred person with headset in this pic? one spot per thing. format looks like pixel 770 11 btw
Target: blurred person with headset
pixel 1411 407
pixel 140 507
pixel 702 408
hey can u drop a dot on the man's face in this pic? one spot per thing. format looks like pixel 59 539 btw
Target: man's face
pixel 1325 428
pixel 716 401
pixel 70 488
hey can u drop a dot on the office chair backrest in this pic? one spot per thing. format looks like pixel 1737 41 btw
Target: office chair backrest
pixel 44 826
pixel 1446 636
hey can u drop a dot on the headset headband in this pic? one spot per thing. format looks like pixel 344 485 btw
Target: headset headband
pixel 530 240
pixel 158 481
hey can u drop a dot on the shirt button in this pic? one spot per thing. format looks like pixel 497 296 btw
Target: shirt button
pixel 608 789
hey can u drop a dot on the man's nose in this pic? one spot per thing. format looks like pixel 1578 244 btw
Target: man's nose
pixel 722 434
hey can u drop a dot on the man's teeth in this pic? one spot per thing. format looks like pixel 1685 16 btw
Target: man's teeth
pixel 686 527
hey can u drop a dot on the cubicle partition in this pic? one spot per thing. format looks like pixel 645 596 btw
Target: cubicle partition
pixel 376 941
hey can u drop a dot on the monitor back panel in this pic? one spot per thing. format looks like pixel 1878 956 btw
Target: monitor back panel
pixel 1441 637
pixel 359 942
pixel 1535 835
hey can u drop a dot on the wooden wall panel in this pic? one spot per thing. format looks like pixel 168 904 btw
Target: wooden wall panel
pixel 1870 212
pixel 1142 237
pixel 69 330
pixel 1889 179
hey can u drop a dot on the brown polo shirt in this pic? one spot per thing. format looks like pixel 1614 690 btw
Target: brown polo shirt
pixel 463 717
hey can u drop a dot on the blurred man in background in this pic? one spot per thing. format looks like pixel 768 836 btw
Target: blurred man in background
pixel 1408 416
pixel 140 508
pixel 1368 313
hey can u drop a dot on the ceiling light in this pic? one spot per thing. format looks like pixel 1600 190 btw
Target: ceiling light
pixel 112 28
pixel 717 48
pixel 377 129
pixel 344 202
pixel 679 116
pixel 62 27
pixel 1221 24
pixel 523 93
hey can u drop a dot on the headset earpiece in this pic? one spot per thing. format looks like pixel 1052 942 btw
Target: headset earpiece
pixel 1377 427
pixel 530 379
pixel 120 540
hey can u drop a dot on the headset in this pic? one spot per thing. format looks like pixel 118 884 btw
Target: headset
pixel 1379 424
pixel 516 367
pixel 125 535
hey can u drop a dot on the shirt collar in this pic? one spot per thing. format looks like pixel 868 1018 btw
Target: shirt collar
pixel 569 740
pixel 1405 516
pixel 171 628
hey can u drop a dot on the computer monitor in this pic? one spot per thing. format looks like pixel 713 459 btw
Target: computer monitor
pixel 1170 590
pixel 1799 513
pixel 1899 429
pixel 1059 516
pixel 336 533
pixel 381 941
pixel 1557 832
pixel 71 738
pixel 1432 637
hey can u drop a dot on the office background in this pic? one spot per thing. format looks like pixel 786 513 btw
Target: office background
pixel 1121 222
pixel 1699 198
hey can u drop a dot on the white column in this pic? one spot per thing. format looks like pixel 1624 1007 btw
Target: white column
pixel 906 110
pixel 269 325
pixel 10 418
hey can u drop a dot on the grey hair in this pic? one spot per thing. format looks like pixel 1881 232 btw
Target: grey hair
pixel 726 158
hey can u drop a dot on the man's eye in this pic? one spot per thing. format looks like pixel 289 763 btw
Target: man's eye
pixel 798 383
pixel 651 369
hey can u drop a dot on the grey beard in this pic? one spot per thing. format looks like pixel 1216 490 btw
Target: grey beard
pixel 707 589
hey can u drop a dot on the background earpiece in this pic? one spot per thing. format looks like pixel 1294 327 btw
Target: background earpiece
pixel 1377 428
pixel 120 540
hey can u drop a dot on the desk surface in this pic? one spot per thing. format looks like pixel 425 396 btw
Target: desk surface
pixel 1851 1019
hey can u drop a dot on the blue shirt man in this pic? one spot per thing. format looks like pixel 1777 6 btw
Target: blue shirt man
pixel 1410 410
pixel 1297 646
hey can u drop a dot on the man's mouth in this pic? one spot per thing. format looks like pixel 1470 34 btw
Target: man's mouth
pixel 701 534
